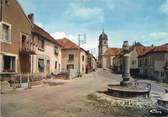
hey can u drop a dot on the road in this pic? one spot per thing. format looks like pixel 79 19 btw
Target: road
pixel 67 100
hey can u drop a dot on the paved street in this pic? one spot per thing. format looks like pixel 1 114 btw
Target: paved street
pixel 67 100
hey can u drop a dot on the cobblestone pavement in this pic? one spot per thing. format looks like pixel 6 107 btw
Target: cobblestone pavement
pixel 69 99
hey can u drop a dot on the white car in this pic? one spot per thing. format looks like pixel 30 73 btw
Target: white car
pixel 162 103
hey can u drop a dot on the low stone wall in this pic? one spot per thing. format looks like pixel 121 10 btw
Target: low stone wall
pixel 138 102
pixel 5 87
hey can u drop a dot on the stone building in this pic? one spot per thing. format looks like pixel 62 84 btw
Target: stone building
pixel 117 63
pixel 106 54
pixel 16 44
pixel 91 63
pixel 74 58
pixel 153 63
pixel 137 49
pixel 48 53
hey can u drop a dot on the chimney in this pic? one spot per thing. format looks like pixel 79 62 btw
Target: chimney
pixel 31 17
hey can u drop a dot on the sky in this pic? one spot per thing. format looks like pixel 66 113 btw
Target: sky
pixel 144 21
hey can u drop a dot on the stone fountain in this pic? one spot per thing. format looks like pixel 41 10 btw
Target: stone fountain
pixel 128 88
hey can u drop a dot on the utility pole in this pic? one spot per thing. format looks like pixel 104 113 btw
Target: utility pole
pixel 79 55
pixel 80 42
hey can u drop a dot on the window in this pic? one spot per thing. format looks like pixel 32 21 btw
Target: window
pixel 70 66
pixel 133 62
pixel 82 68
pixel 7 2
pixel 56 50
pixel 71 57
pixel 6 32
pixel 9 63
pixel 24 40
pixel 83 58
pixel 55 64
pixel 140 62
pixel 41 44
pixel 41 65
pixel 162 74
pixel 59 66
pixel 104 42
pixel 150 60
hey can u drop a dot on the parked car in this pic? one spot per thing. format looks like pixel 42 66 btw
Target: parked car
pixel 162 103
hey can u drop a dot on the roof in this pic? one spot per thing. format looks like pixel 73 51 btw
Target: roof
pixel 142 49
pixel 162 48
pixel 112 51
pixel 103 36
pixel 67 44
pixel 38 30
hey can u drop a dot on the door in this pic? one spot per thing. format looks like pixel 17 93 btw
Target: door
pixel 25 63
pixel 48 66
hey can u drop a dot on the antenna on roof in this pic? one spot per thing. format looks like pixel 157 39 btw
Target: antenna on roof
pixel 103 28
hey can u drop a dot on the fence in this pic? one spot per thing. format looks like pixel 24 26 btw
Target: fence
pixel 19 80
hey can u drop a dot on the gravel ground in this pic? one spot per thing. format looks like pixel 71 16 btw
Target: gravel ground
pixel 117 107
pixel 74 98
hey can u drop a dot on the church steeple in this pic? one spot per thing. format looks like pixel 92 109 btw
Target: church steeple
pixel 103 44
pixel 103 36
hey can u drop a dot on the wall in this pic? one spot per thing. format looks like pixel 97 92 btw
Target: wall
pixel 47 54
pixel 154 65
pixel 83 63
pixel 13 15
pixel 104 62
pixel 133 59
pixel 65 61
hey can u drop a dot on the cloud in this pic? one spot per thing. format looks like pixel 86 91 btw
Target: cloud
pixel 159 35
pixel 60 35
pixel 79 12
pixel 164 7
pixel 157 38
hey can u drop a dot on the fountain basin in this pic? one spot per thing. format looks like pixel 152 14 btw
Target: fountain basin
pixel 136 89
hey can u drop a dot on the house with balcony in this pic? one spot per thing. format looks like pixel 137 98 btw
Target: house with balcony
pixel 74 58
pixel 16 44
pixel 48 52
pixel 153 64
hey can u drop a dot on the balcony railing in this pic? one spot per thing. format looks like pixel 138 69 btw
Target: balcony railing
pixel 28 47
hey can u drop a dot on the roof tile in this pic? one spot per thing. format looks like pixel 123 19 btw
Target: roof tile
pixel 67 44
pixel 38 30
pixel 112 51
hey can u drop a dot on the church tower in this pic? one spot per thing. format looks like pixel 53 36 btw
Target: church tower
pixel 103 45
